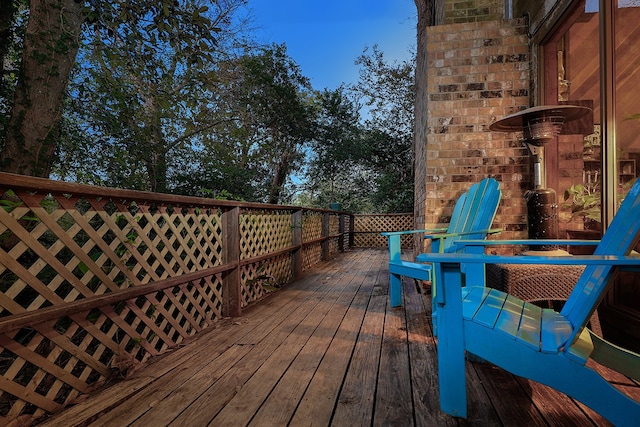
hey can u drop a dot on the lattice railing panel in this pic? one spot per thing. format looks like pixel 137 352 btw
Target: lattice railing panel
pixel 311 255
pixel 94 281
pixel 311 226
pixel 184 239
pixel 368 228
pixel 262 278
pixel 264 232
pixel 333 246
pixel 369 240
pixel 347 227
pixel 380 223
pixel 57 249
pixel 334 224
pixel 49 364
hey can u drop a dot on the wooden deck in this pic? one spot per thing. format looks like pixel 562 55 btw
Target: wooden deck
pixel 326 350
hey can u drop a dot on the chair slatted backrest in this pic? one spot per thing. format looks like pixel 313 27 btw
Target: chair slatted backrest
pixel 487 200
pixel 619 239
pixel 476 212
pixel 457 218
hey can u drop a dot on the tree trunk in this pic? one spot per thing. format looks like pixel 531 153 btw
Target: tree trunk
pixel 50 49
pixel 279 177
pixel 157 168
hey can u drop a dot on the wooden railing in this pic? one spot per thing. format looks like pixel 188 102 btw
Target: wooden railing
pixel 367 229
pixel 94 281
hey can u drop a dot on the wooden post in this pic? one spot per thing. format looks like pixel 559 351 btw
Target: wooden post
pixel 231 287
pixel 296 240
pixel 352 229
pixel 325 233
pixel 341 231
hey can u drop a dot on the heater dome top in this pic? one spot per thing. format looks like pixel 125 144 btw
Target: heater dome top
pixel 559 114
pixel 539 125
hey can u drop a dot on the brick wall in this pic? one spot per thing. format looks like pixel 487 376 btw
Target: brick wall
pixel 478 73
pixel 460 11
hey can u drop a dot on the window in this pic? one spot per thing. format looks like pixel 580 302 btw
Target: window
pixel 588 161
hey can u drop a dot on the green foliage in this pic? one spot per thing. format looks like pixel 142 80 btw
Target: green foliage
pixel 275 115
pixel 367 165
pixel 170 96
pixel 12 28
pixel 251 156
pixel 387 91
pixel 143 91
pixel 583 201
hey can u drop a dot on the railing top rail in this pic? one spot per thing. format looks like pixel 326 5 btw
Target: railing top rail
pixel 61 187
pixel 386 214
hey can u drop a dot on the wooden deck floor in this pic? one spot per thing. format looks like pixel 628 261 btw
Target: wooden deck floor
pixel 326 350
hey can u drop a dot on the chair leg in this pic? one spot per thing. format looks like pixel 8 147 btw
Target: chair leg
pixel 434 317
pixel 451 363
pixel 395 290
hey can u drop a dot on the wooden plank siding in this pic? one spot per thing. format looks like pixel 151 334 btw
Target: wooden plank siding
pixel 324 350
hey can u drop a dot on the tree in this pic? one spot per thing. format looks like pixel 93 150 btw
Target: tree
pixel 387 91
pixel 365 165
pixel 275 114
pixel 54 34
pixel 49 50
pixel 336 151
pixel 146 94
pixel 11 34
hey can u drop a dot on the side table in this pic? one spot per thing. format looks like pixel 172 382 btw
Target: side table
pixel 536 283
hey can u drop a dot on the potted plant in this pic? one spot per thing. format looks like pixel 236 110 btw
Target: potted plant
pixel 583 200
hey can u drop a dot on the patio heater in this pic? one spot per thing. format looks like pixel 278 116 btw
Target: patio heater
pixel 539 126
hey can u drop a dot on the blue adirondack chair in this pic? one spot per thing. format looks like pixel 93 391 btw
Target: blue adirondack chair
pixel 472 216
pixel 540 344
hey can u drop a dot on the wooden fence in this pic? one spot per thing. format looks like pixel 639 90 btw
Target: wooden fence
pixel 94 281
pixel 367 229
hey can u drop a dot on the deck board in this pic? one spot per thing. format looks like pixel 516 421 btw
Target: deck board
pixel 326 350
pixel 393 404
pixel 285 398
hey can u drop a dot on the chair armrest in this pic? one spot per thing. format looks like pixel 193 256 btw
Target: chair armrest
pixel 400 233
pixel 394 243
pixel 631 262
pixel 440 237
pixel 463 233
pixel 536 242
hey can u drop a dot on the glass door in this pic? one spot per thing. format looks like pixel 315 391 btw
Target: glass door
pixel 593 58
pixel 572 76
pixel 627 96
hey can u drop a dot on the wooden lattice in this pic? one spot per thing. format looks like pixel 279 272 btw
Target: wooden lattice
pixel 367 229
pixel 348 228
pixel 264 232
pixel 261 278
pixel 311 255
pixel 312 226
pixel 94 281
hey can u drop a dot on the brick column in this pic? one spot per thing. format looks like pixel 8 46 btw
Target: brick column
pixel 478 73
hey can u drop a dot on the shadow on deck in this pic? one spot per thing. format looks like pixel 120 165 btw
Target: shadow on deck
pixel 325 350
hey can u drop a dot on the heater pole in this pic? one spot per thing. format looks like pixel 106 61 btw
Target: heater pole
pixel 542 209
pixel 539 126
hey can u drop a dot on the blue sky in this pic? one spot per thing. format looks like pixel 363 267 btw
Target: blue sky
pixel 325 37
